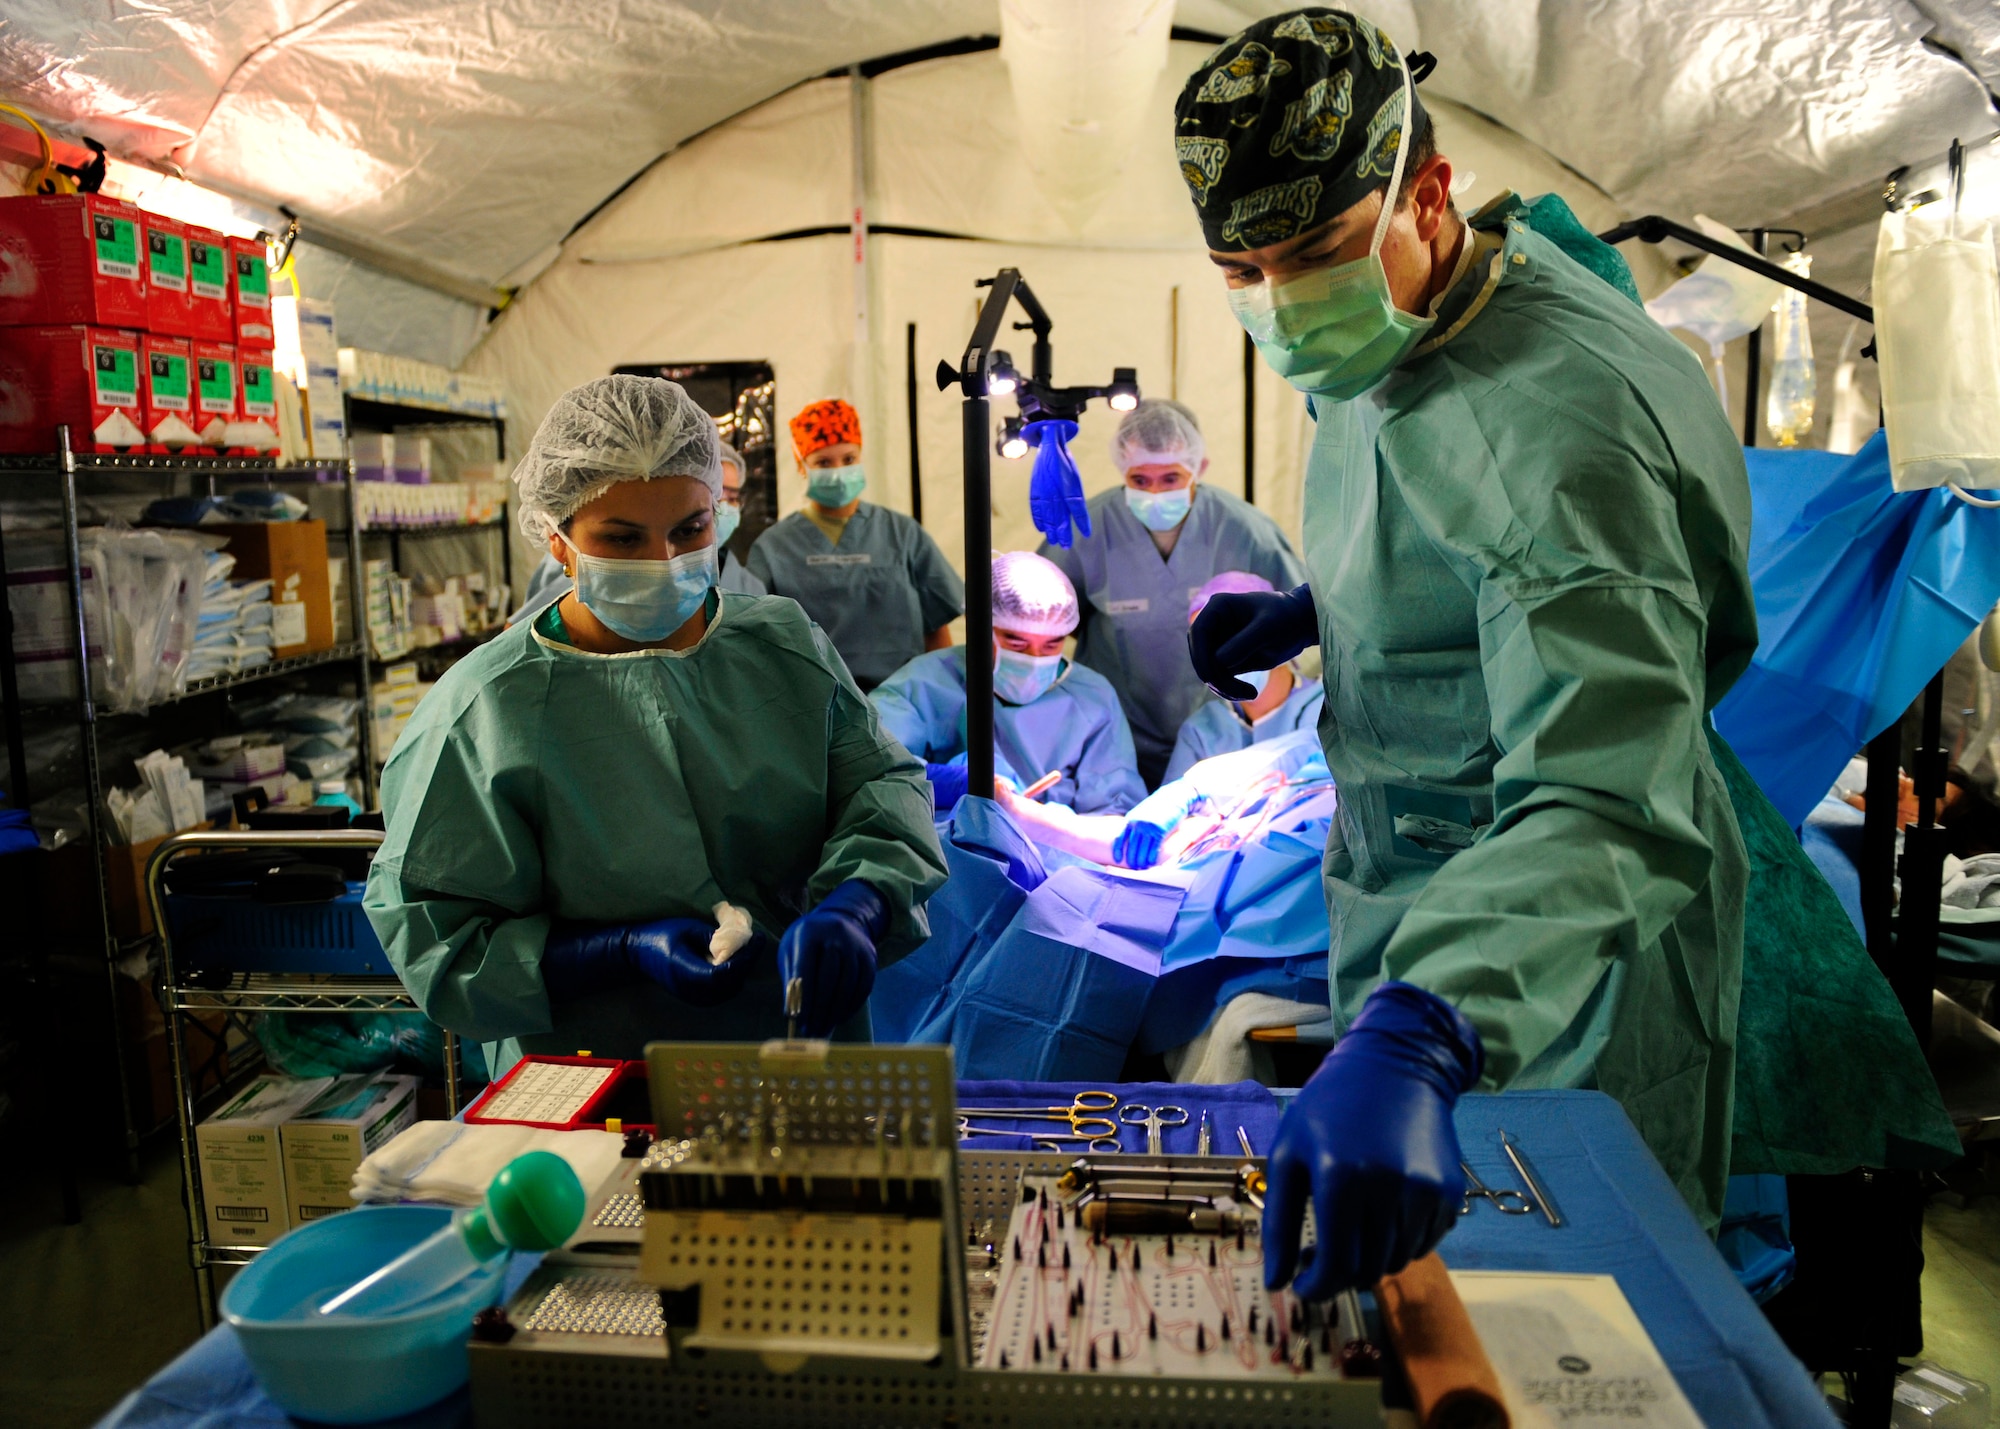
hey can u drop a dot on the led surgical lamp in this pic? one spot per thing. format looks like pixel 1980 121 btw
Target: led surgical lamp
pixel 983 373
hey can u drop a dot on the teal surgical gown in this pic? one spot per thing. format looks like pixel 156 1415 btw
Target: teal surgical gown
pixel 538 782
pixel 1527 549
pixel 877 594
pixel 1075 726
pixel 1218 727
pixel 1135 602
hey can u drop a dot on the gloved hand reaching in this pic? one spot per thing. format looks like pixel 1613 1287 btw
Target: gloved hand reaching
pixel 1250 630
pixel 581 958
pixel 1370 1139
pixel 1138 844
pixel 948 784
pixel 1055 489
pixel 832 950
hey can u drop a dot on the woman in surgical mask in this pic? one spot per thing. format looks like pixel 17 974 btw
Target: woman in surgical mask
pixel 644 812
pixel 872 578
pixel 1154 541
pixel 1049 716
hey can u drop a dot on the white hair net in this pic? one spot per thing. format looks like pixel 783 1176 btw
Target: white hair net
pixel 1031 595
pixel 613 429
pixel 733 457
pixel 1158 432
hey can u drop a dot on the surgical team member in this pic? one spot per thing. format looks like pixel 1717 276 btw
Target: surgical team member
pixel 580 803
pixel 551 579
pixel 873 578
pixel 1286 700
pixel 1154 541
pixel 1049 714
pixel 1526 519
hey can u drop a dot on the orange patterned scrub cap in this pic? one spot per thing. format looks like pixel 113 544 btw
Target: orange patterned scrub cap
pixel 825 424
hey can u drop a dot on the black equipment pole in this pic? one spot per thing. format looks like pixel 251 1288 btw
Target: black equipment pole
pixel 1249 420
pixel 978 597
pixel 910 400
pixel 1753 361
pixel 1652 228
pixel 1923 872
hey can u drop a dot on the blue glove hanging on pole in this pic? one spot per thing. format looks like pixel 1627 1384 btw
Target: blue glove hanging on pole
pixel 1370 1140
pixel 582 958
pixel 1055 490
pixel 1250 630
pixel 831 951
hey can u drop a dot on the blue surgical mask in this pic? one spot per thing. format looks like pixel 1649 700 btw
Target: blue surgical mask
pixel 644 600
pixel 1022 679
pixel 1160 510
pixel 1256 680
pixel 728 516
pixel 834 486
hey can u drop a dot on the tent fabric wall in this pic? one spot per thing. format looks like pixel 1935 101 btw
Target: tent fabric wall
pixel 673 270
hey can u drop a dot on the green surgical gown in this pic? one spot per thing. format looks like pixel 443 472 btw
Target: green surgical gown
pixel 539 782
pixel 1527 549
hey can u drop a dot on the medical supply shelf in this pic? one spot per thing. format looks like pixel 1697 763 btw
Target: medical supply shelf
pixel 69 466
pixel 184 997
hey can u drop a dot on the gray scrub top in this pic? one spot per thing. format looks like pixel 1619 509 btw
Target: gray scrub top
pixel 1135 602
pixel 876 595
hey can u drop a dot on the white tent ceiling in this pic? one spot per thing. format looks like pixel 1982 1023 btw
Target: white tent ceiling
pixel 476 133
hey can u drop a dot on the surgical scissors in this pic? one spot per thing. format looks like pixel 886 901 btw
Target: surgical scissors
pixel 1507 1200
pixel 1153 1118
pixel 1048 1139
pixel 1086 1110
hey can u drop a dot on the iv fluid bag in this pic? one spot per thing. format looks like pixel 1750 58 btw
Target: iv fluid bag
pixel 1937 331
pixel 1788 401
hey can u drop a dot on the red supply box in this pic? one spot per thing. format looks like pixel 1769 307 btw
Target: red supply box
pixel 169 392
pixel 217 398
pixel 256 402
pixel 71 258
pixel 167 297
pixel 579 1093
pixel 210 316
pixel 87 377
pixel 250 293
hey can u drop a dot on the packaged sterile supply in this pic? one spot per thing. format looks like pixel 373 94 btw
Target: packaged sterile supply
pixel 167 305
pixel 374 455
pixel 255 433
pixel 413 460
pixel 85 378
pixel 210 317
pixel 216 395
pixel 168 389
pixel 240 1151
pixel 325 1141
pixel 250 292
pixel 72 258
pixel 1929 1396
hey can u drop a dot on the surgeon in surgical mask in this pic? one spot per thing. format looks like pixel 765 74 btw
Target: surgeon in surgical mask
pixel 644 812
pixel 1155 540
pixel 1050 716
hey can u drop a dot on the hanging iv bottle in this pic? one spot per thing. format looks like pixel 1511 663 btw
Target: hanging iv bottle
pixel 1788 400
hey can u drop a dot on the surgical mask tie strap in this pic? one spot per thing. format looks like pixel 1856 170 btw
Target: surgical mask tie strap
pixel 1395 188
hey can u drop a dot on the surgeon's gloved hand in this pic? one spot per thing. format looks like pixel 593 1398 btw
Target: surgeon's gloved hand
pixel 581 958
pixel 1250 630
pixel 832 950
pixel 1138 844
pixel 1055 489
pixel 1370 1141
pixel 948 784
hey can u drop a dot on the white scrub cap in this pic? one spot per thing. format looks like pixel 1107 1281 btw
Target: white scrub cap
pixel 1031 595
pixel 1158 432
pixel 734 458
pixel 613 429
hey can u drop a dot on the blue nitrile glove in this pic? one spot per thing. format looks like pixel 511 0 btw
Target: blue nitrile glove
pixel 948 785
pixel 1138 844
pixel 1055 490
pixel 581 958
pixel 1370 1139
pixel 1250 630
pixel 833 949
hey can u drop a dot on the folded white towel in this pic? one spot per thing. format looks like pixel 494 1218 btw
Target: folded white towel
pixel 452 1163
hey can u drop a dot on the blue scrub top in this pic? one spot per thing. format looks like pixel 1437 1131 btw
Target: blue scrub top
pixel 1076 726
pixel 1218 727
pixel 877 595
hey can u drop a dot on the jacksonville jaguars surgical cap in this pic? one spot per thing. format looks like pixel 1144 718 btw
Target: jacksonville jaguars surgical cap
pixel 1289 123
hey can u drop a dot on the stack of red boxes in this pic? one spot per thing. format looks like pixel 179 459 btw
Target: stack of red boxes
pixel 140 333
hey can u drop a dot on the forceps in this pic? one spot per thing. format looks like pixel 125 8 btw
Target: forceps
pixel 1085 1111
pixel 1507 1200
pixel 1153 1118
pixel 1047 1139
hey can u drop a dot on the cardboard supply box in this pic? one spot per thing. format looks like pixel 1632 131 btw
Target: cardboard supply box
pixel 242 1161
pixel 325 1141
pixel 217 398
pixel 292 556
pixel 250 293
pixel 168 310
pixel 169 392
pixel 211 316
pixel 85 377
pixel 72 258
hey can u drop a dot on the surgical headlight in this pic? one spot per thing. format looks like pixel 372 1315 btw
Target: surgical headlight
pixel 1123 393
pixel 1013 443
